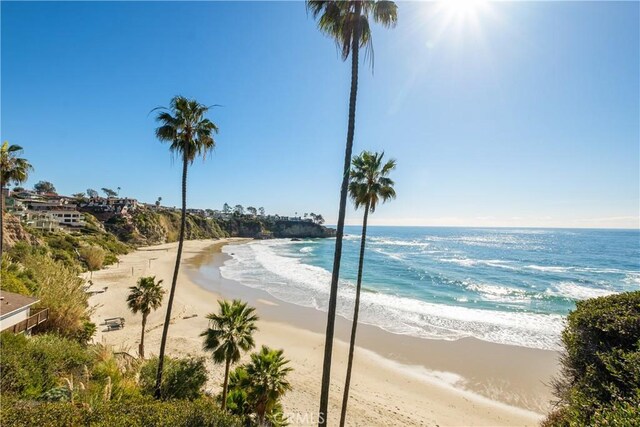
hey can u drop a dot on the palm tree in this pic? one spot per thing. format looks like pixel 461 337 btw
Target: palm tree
pixel 267 372
pixel 370 183
pixel 143 298
pixel 12 169
pixel 190 134
pixel 347 22
pixel 230 332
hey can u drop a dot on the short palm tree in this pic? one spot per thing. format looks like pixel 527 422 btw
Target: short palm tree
pixel 230 332
pixel 267 372
pixel 370 183
pixel 347 22
pixel 143 298
pixel 190 134
pixel 13 168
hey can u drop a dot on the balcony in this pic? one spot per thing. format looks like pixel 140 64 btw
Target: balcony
pixel 31 322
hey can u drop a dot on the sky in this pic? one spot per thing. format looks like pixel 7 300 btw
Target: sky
pixel 498 114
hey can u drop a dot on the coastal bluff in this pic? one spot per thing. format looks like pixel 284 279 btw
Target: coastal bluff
pixel 260 228
pixel 148 226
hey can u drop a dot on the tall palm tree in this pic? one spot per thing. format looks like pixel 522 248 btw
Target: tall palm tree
pixel 12 169
pixel 143 298
pixel 190 134
pixel 370 183
pixel 267 372
pixel 347 22
pixel 230 332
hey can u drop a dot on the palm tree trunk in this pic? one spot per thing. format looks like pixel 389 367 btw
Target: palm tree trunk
pixel 225 384
pixel 354 326
pixel 333 294
pixel 144 325
pixel 261 409
pixel 167 318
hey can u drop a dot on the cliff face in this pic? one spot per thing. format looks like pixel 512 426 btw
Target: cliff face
pixel 244 227
pixel 259 228
pixel 12 232
pixel 149 227
pixel 301 229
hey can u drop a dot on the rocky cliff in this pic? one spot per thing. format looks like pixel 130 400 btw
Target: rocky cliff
pixel 149 226
pixel 262 228
pixel 12 232
pixel 301 229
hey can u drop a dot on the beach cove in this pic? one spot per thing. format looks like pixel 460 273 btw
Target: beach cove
pixel 398 380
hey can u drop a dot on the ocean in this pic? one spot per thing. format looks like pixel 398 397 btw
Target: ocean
pixel 510 286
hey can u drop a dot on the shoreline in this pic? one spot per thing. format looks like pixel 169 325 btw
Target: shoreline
pixel 397 380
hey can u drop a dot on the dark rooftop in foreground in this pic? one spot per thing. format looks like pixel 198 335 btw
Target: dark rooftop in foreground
pixel 10 302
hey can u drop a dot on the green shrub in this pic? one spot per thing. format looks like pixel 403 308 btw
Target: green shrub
pixel 182 378
pixel 16 278
pixel 600 367
pixel 177 413
pixel 92 256
pixel 31 366
pixel 61 291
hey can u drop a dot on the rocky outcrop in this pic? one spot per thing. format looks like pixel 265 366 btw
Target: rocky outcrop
pixel 301 229
pixel 258 228
pixel 13 232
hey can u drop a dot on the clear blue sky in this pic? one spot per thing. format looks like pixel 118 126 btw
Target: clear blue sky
pixel 512 114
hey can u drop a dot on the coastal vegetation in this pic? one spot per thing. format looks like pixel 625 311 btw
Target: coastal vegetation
pixel 13 169
pixel 347 23
pixel 229 334
pixel 182 379
pixel 145 296
pixel 255 388
pixel 370 184
pixel 599 382
pixel 190 135
pixel 50 380
pixel 33 270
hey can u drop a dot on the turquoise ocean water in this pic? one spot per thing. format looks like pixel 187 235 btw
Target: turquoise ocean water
pixel 511 286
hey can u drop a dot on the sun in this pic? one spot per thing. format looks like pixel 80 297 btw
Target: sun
pixel 462 10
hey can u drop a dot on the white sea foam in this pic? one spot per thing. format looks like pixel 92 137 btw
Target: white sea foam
pixel 577 292
pixel 394 242
pixel 550 269
pixel 391 255
pixel 257 264
pixel 468 262
pixel 497 293
pixel 633 279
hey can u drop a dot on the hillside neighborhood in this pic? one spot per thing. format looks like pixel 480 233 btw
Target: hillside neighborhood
pixel 50 211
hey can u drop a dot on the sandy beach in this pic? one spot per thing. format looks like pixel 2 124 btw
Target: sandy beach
pixel 397 380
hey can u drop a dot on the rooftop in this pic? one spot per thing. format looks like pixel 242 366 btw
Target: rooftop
pixel 10 302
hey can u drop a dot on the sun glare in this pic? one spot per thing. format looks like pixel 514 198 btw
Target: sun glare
pixel 461 10
pixel 460 18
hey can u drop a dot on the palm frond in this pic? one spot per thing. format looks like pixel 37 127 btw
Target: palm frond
pixel 369 181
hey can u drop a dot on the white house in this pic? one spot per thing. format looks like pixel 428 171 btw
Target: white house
pixel 68 218
pixel 16 315
pixel 41 220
